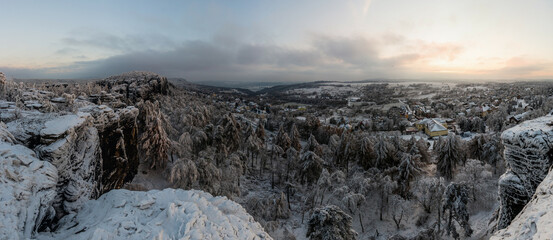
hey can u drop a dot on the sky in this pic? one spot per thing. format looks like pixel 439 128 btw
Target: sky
pixel 279 41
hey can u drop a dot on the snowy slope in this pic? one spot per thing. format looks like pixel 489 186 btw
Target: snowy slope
pixel 166 214
pixel 536 219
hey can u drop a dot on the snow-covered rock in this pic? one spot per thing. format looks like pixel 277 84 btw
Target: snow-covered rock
pixel 535 221
pixel 27 189
pixel 136 85
pixel 528 149
pixel 118 133
pixel 71 143
pixel 94 150
pixel 166 214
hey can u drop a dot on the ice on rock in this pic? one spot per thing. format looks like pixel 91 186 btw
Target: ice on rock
pixel 528 156
pixel 27 190
pixel 166 214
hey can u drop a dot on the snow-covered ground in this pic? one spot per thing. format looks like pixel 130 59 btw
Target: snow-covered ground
pixel 167 214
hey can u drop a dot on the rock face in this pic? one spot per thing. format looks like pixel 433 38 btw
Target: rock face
pixel 167 214
pixel 27 189
pixel 134 86
pixel 536 219
pixel 71 144
pixel 528 153
pixel 118 141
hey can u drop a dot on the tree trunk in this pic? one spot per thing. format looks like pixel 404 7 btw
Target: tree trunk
pixel 361 222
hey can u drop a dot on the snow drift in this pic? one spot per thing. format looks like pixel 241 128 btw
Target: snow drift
pixel 166 214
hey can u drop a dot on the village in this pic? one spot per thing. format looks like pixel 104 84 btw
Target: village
pixel 427 110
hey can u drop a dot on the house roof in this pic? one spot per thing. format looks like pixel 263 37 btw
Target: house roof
pixel 435 126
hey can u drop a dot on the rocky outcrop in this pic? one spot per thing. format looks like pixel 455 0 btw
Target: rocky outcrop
pixel 118 140
pixel 89 149
pixel 135 86
pixel 528 154
pixel 167 214
pixel 27 189
pixel 71 144
pixel 535 221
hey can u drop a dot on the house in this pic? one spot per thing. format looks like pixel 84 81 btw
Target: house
pixel 432 126
pixel 421 124
pixel 411 130
pixel 517 118
pixel 435 128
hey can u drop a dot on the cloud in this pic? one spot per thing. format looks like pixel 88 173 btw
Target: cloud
pixel 233 57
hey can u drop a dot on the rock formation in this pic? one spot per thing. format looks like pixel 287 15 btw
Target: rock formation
pixel 528 152
pixel 134 86
pixel 536 219
pixel 27 189
pixel 118 141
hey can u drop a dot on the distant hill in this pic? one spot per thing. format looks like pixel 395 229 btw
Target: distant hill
pixel 181 82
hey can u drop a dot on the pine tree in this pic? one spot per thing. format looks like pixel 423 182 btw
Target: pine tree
pixel 260 131
pixel 366 153
pixel 408 169
pixel 154 140
pixel 313 145
pixel 311 168
pixel 455 203
pixel 282 138
pixel 450 154
pixel 382 153
pixel 295 137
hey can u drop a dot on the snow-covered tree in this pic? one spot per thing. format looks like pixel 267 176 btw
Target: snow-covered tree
pixel 154 141
pixel 260 131
pixel 313 146
pixel 408 169
pixel 382 156
pixel 295 138
pixel 366 153
pixel 311 168
pixel 428 192
pixel 450 154
pixel 455 205
pixel 209 175
pixel 282 139
pixel 492 153
pixel 330 223
pixel 183 174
